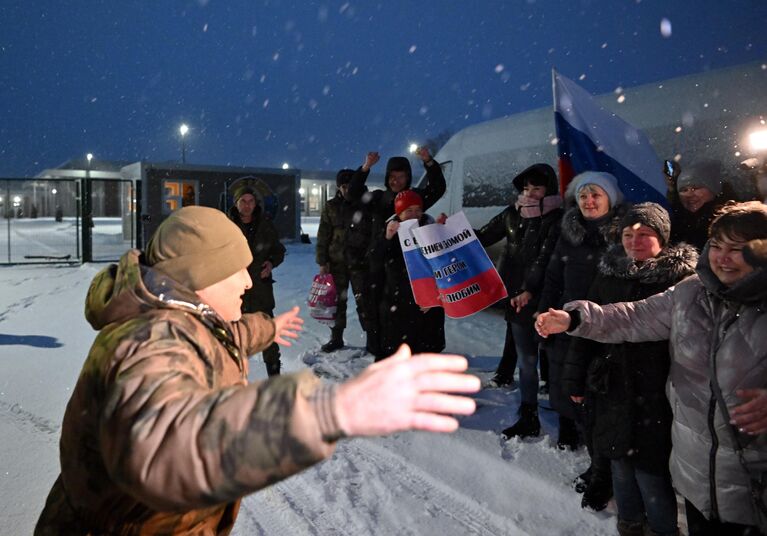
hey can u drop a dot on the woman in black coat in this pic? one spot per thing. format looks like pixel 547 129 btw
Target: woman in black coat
pixel 531 227
pixel 626 382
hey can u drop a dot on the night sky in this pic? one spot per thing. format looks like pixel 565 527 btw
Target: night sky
pixel 318 84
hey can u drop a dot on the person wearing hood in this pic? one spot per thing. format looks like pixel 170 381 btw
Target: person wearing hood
pixel 531 227
pixel 342 240
pixel 380 207
pixel 715 322
pixel 268 252
pixel 632 417
pixel 699 194
pixel 164 434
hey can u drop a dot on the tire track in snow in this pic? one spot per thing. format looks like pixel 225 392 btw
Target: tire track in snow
pixel 352 494
pixel 26 419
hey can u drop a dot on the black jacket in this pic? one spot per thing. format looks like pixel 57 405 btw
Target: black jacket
pixel 572 266
pixel 402 321
pixel 264 246
pixel 529 245
pixel 380 204
pixel 692 227
pixel 626 382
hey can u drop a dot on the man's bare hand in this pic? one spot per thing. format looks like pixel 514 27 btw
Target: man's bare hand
pixel 370 160
pixel 406 393
pixel 287 324
pixel 423 153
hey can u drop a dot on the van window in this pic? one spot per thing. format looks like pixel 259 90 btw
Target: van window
pixel 487 180
pixel 487 177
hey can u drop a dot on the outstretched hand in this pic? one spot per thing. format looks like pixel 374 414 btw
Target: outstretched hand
pixel 406 393
pixel 751 415
pixel 552 322
pixel 287 324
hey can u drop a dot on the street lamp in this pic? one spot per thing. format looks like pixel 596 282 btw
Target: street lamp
pixel 758 140
pixel 183 129
pixel 285 165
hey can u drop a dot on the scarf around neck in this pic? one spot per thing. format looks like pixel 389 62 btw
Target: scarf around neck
pixel 533 208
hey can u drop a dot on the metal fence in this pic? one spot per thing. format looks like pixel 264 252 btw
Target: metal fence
pixel 42 220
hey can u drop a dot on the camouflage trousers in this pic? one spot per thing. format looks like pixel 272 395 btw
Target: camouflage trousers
pixel 342 276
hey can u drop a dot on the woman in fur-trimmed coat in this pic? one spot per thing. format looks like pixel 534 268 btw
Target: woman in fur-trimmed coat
pixel 626 382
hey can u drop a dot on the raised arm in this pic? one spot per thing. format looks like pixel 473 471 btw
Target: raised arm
pixel 435 185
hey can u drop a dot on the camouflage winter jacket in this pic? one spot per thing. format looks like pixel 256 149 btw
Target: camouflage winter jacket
pixel 163 434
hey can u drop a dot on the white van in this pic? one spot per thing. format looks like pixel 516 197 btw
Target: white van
pixel 708 115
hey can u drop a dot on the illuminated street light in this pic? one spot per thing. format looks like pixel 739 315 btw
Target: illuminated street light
pixel 89 156
pixel 758 140
pixel 301 191
pixel 285 165
pixel 413 148
pixel 183 129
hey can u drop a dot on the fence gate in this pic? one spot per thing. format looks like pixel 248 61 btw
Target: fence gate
pixel 113 221
pixel 44 220
pixel 39 221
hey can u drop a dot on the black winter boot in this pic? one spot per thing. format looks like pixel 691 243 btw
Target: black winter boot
pixel 600 487
pixel 528 424
pixel 568 435
pixel 273 368
pixel 630 528
pixel 336 341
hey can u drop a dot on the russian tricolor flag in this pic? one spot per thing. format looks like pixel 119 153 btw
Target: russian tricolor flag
pixel 449 267
pixel 592 138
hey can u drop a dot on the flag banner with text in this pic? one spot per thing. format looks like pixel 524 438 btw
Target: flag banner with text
pixel 448 267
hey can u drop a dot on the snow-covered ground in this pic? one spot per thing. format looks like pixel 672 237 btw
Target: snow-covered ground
pixel 469 482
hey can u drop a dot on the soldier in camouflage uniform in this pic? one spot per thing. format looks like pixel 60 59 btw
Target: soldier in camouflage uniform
pixel 267 253
pixel 342 242
pixel 163 434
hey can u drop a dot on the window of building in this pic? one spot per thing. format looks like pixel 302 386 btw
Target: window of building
pixel 178 193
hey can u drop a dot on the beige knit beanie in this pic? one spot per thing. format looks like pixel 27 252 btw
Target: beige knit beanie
pixel 198 246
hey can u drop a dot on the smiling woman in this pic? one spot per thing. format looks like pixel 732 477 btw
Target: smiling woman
pixel 722 443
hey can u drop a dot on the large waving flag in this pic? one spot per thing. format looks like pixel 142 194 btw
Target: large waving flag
pixel 592 138
pixel 449 267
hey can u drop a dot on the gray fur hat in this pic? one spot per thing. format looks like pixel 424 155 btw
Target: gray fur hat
pixel 653 216
pixel 706 173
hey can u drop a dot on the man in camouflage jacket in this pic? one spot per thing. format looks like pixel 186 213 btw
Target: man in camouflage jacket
pixel 163 434
pixel 342 241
